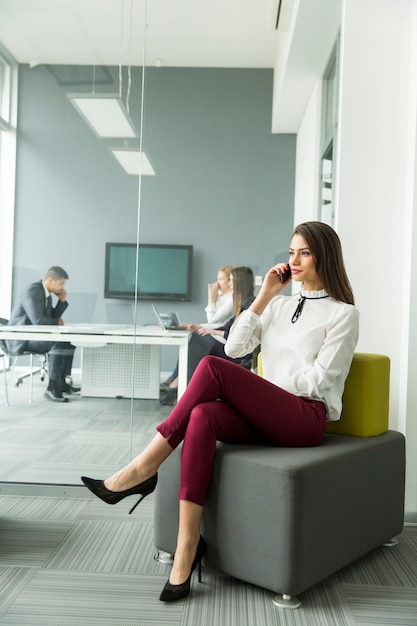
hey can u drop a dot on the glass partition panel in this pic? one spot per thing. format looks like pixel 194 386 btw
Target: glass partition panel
pixel 195 168
pixel 78 188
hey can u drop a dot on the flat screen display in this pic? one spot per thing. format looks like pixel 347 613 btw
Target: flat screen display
pixel 164 271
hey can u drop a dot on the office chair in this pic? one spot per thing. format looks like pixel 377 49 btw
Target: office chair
pixel 42 369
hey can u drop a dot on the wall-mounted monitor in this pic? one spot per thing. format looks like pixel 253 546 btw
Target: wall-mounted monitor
pixel 164 271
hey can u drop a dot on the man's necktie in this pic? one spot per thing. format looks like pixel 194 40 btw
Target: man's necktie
pixel 48 307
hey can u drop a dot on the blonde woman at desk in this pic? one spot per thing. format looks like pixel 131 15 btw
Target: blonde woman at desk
pixel 219 310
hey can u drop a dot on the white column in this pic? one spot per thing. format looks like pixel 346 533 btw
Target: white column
pixel 376 192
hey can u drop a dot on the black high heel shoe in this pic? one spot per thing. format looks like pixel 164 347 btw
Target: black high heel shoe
pixel 113 497
pixel 172 593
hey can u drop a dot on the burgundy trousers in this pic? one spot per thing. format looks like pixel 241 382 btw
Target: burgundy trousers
pixel 225 402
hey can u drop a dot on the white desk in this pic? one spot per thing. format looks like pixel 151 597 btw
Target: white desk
pixel 103 339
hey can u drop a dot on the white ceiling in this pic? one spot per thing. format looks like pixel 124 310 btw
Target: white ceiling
pixel 182 33
pixel 192 33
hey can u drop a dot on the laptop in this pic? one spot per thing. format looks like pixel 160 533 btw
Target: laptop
pixel 168 321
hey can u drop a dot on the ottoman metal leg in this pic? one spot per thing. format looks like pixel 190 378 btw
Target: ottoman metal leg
pixel 286 601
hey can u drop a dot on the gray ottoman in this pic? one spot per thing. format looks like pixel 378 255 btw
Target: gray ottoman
pixel 287 518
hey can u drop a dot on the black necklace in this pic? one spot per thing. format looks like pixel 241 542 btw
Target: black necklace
pixel 300 305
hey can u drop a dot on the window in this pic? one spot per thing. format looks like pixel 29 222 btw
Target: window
pixel 8 113
pixel 329 121
pixel 327 211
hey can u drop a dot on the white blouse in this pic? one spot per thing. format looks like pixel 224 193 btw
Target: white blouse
pixel 309 357
pixel 219 314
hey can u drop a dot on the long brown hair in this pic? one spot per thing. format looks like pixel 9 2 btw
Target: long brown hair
pixel 243 286
pixel 325 246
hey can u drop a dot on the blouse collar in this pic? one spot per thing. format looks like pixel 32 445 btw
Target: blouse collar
pixel 322 293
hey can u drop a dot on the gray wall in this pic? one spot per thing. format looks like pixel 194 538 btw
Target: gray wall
pixel 224 183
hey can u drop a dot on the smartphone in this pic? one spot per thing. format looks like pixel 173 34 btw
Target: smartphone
pixel 284 276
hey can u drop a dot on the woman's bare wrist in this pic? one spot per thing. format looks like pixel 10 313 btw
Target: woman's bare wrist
pixel 259 305
pixel 258 309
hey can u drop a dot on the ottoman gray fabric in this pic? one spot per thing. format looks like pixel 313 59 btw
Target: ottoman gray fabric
pixel 287 518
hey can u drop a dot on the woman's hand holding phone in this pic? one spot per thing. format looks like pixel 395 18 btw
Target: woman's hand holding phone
pixel 285 275
pixel 273 282
pixel 272 286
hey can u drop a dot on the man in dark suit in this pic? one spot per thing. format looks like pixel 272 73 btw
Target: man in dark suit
pixel 35 307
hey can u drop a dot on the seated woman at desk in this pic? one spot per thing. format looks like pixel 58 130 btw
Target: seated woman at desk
pixel 219 310
pixel 219 307
pixel 211 341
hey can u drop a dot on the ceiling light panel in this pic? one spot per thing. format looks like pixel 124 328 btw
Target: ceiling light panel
pixel 105 114
pixel 134 162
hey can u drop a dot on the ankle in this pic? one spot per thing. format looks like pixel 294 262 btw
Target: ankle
pixel 120 481
pixel 185 554
pixel 127 478
pixel 188 545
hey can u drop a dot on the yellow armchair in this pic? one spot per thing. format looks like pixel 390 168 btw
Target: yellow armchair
pixel 366 397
